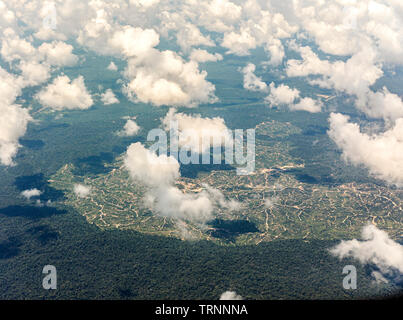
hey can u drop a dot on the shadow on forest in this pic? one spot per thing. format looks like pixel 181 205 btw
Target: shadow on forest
pixel 39 182
pixel 9 248
pixel 323 163
pixel 32 144
pixel 93 164
pixel 125 293
pixel 30 212
pixel 43 234
pixel 54 126
pixel 229 229
pixel 192 170
pixel 313 130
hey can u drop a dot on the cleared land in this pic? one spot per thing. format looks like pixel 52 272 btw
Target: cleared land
pixel 276 205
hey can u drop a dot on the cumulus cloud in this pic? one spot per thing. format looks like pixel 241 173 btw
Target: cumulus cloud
pixel 307 104
pixel 34 73
pixel 219 15
pixel 144 3
pixel 81 191
pixel 108 97
pixel 33 66
pixel 149 168
pixel 58 53
pixel 284 95
pixel 230 295
pixel 281 94
pixel 363 37
pixel 259 27
pixel 381 105
pixel 200 55
pixel 171 202
pixel 64 93
pixel 112 66
pixel 381 153
pixel 15 48
pixel 189 36
pixel 13 118
pixel 353 76
pixel 131 128
pixel 346 27
pixel 251 81
pixel 159 173
pixel 164 78
pixel 239 43
pixel 376 248
pixel 28 194
pixel 276 51
pixel 13 125
pixel 134 41
pixel 198 133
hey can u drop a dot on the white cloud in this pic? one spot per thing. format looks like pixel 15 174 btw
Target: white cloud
pixel 13 118
pixel 230 295
pixel 112 66
pixel 381 153
pixel 132 41
pixel 58 53
pixel 376 248
pixel 381 105
pixel 276 50
pixel 163 78
pixel 284 95
pixel 353 76
pixel 196 132
pixel 28 194
pixel 189 36
pixel 149 168
pixel 15 48
pixel 259 27
pixel 251 81
pixel 281 95
pixel 10 86
pixel 169 201
pixel 218 15
pixel 239 43
pixel 307 104
pixel 218 198
pixel 108 97
pixel 346 27
pixel 63 93
pixel 159 174
pixel 131 128
pixel 200 55
pixel 144 3
pixel 34 66
pixel 34 73
pixel 81 191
